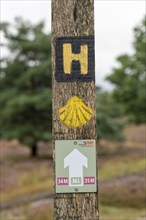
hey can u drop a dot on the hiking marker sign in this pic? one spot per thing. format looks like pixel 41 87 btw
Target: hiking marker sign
pixel 75 166
pixel 75 59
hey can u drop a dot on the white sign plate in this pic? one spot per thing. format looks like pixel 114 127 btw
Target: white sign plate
pixel 75 166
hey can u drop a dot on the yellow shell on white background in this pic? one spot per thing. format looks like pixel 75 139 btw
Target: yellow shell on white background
pixel 75 113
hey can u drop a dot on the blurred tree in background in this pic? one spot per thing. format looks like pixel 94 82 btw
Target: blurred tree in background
pixel 109 125
pixel 26 89
pixel 26 84
pixel 130 78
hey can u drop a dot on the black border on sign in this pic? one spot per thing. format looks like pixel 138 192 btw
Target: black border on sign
pixel 75 75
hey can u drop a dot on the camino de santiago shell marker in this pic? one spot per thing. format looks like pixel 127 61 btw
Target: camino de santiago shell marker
pixel 74 111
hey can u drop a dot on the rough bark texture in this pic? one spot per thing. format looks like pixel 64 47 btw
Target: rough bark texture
pixel 73 18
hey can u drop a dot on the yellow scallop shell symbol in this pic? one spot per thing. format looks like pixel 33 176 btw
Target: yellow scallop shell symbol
pixel 75 113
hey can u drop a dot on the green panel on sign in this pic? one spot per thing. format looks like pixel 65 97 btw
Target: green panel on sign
pixel 75 166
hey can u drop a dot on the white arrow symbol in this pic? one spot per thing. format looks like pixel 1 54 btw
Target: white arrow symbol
pixel 75 160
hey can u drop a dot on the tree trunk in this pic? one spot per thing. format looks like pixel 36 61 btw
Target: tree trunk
pixel 73 18
pixel 34 150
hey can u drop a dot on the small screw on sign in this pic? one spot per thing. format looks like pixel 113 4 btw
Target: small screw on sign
pixel 76 189
pixel 75 143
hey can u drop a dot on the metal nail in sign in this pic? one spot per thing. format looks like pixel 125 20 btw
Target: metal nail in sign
pixel 75 59
pixel 75 113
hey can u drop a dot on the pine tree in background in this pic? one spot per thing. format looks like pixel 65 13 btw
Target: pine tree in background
pixel 129 78
pixel 108 113
pixel 26 110
pixel 26 84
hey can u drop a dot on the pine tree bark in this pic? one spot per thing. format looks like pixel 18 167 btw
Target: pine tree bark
pixel 73 18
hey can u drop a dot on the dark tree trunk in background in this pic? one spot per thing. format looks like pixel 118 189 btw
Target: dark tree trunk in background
pixel 73 18
pixel 34 150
